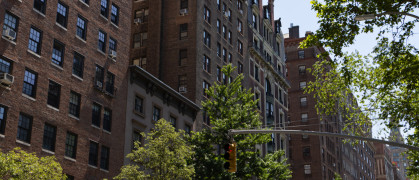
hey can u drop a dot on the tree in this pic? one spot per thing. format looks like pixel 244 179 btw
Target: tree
pixel 163 156
pixel 386 81
pixel 230 106
pixel 18 164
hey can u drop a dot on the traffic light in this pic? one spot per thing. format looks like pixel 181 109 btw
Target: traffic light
pixel 230 157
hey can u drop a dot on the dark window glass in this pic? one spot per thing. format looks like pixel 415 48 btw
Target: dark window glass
pixel 3 116
pixel 104 8
pixel 50 133
pixel 218 26
pixel 207 39
pixel 5 65
pixel 302 70
pixel 183 57
pixel 301 54
pixel 62 14
pixel 58 53
pixel 85 1
pixel 240 47
pixel 70 177
pixel 110 80
pixel 93 153
pixel 96 109
pixel 225 54
pixel 29 83
pixel 24 128
pixel 240 68
pixel 35 40
pixel 114 14
pixel 187 129
pixel 78 65
pixel 40 5
pixel 207 63
pixel 112 44
pixel 54 92
pixel 156 113
pixel 81 27
pixel 230 38
pixel 102 41
pixel 183 4
pixel 104 158
pixel 205 86
pixel 218 74
pixel 224 32
pixel 183 30
pixel 71 145
pixel 206 118
pixel 10 23
pixel 173 121
pixel 218 49
pixel 107 119
pixel 207 15
pixel 136 136
pixel 74 107
pixel 99 77
pixel 138 104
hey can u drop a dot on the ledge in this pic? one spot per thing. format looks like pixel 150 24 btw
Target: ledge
pixel 69 158
pixel 62 27
pixel 7 39
pixel 53 108
pixel 77 77
pixel 33 53
pixel 40 13
pixel 57 66
pixel 74 117
pixel 82 40
pixel 48 151
pixel 30 98
pixel 23 143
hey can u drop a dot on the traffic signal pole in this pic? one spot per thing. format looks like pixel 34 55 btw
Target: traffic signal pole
pixel 316 133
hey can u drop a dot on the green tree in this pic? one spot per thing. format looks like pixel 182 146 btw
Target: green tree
pixel 18 164
pixel 386 81
pixel 230 106
pixel 163 156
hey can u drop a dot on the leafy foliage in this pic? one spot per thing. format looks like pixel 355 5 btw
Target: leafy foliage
pixel 18 164
pixel 232 107
pixel 163 156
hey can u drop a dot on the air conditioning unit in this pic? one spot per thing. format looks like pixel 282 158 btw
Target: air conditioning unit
pixel 112 54
pixel 138 21
pixel 10 34
pixel 182 89
pixel 183 34
pixel 307 169
pixel 183 12
pixel 99 84
pixel 6 79
pixel 136 62
pixel 241 11
pixel 225 14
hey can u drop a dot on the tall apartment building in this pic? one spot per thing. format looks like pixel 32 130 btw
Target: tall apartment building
pixel 318 157
pixel 63 71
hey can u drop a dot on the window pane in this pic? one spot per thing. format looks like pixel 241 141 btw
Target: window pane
pixel 71 145
pixel 93 153
pixel 3 115
pixel 49 137
pixel 24 128
pixel 104 158
pixel 54 94
pixel 29 83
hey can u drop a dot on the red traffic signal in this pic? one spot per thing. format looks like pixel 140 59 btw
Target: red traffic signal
pixel 230 157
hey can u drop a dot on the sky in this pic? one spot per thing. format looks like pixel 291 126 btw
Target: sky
pixel 299 13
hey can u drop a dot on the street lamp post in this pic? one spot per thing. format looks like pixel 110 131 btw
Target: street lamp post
pixel 364 17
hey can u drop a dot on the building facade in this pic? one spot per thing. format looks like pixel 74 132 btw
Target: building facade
pixel 384 167
pixel 64 67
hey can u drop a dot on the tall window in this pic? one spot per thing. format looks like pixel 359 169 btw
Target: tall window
pixel 224 32
pixel 183 57
pixel 218 49
pixel 81 27
pixel 240 47
pixel 99 75
pixel 107 119
pixel 58 53
pixel 104 8
pixel 183 4
pixel 207 39
pixel 306 151
pixel 101 41
pixel 104 158
pixel 218 5
pixel 93 153
pixel 85 1
pixel 205 86
pixel 230 38
pixel 239 26
pixel 138 104
pixel 225 54
pixel 156 113
pixel 50 133
pixel 182 79
pixel 188 129
pixel 254 21
pixel 173 121
pixel 10 24
pixel 78 64
pixel 114 14
pixel 24 128
pixel 112 44
pixel 96 109
pixel 218 74
pixel 240 68
pixel 304 117
pixel 74 106
pixel 3 116
pixel 71 145
pixel 303 85
pixel 183 30
pixel 207 15
pixel 301 54
pixel 206 64
pixel 136 137
pixel 29 83
pixel 35 36
pixel 40 5
pixel 303 101
pixel 256 73
pixel 62 14
pixel 110 80
pixel 5 65
pixel 54 92
pixel 302 70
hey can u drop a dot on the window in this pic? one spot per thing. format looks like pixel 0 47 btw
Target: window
pixel 50 133
pixel 239 26
pixel 62 14
pixel 54 91
pixel 302 70
pixel 183 30
pixel 74 106
pixel 93 153
pixel 218 74
pixel 224 32
pixel 183 4
pixel 224 78
pixel 85 1
pixel 140 39
pixel 183 57
pixel 81 27
pixel 218 26
pixel 229 14
pixel 302 85
pixel 29 83
pixel 207 15
pixel 240 68
pixel 35 37
pixel 182 79
pixel 218 49
pixel 230 58
pixel 5 65
pixel 3 116
pixel 188 129
pixel 156 113
pixel 306 151
pixel 206 64
pixel 205 86
pixel 230 37
pixel 173 121
pixel 240 47
pixel 114 14
pixel 107 120
pixel 96 109
pixel 104 158
pixel 225 54
pixel 99 75
pixel 301 54
pixel 206 118
pixel 110 80
pixel 70 177
pixel 141 15
pixel 304 117
pixel 257 96
pixel 102 41
pixel 138 104
pixel 58 53
pixel 240 7
pixel 24 128
pixel 112 44
pixel 71 145
pixel 207 39
pixel 256 73
pixel 104 8
pixel 40 5
pixel 136 136
pixel 254 21
pixel 218 5
pixel 10 24
pixel 303 101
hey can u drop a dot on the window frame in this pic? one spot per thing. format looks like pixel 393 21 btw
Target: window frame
pixel 40 6
pixel 207 15
pixel 58 53
pixel 28 130
pixel 139 107
pixel 110 83
pixel 49 137
pixel 32 85
pixel 114 14
pixel 96 114
pixel 93 154
pixel 207 39
pixel 206 64
pixel 10 23
pixel 101 45
pixel 104 8
pixel 78 65
pixel 81 27
pixel 156 114
pixel 54 93
pixel 74 107
pixel 35 43
pixel 104 157
pixel 6 65
pixel 71 145
pixel 61 18
pixel 99 76
pixel 107 119
pixel 3 118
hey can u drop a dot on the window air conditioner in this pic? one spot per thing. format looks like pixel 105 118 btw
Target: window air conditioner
pixel 112 54
pixel 182 89
pixel 183 34
pixel 136 62
pixel 307 169
pixel 10 34
pixel 183 12
pixel 225 14
pixel 99 84
pixel 138 21
pixel 6 79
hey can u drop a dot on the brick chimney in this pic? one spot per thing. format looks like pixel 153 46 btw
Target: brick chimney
pixel 294 31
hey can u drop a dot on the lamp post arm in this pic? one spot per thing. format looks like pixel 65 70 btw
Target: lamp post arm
pixel 398 13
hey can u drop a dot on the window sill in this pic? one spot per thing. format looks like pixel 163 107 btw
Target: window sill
pixel 23 143
pixel 82 40
pixel 69 158
pixel 40 13
pixel 30 98
pixel 62 27
pixel 84 3
pixel 53 108
pixel 7 39
pixel 139 113
pixel 94 126
pixel 104 170
pixel 77 77
pixel 74 117
pixel 107 132
pixel 33 53
pixel 114 25
pixel 91 166
pixel 48 151
pixel 2 136
pixel 103 17
pixel 101 52
pixel 57 66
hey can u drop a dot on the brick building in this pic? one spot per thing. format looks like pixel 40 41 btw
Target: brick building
pixel 384 167
pixel 69 61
